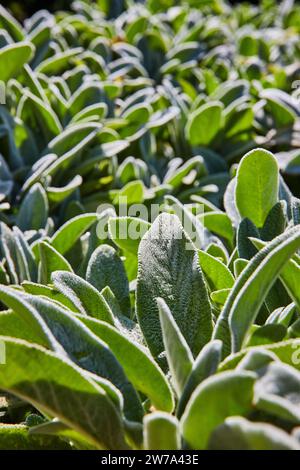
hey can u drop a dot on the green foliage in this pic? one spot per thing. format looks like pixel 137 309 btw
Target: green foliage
pixel 123 328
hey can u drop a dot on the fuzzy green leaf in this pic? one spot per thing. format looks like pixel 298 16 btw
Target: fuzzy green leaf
pixel 168 269
pixel 257 185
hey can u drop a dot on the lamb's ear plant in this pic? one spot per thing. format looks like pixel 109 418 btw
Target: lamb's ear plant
pixel 178 330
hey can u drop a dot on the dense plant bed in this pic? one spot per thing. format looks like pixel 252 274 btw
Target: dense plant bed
pixel 150 227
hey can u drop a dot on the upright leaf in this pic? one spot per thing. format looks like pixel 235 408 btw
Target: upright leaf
pixel 257 185
pixel 33 211
pixel 105 268
pixel 204 123
pixel 179 356
pixel 169 268
pixel 13 57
